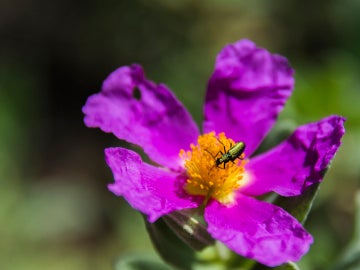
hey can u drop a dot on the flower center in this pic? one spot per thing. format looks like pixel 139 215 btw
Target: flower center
pixel 215 167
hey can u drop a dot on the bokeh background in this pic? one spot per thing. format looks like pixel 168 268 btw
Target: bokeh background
pixel 55 210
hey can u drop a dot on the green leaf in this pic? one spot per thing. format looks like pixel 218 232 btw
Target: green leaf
pixel 299 206
pixel 356 238
pixel 350 260
pixel 169 246
pixel 287 266
pixel 133 262
pixel 189 229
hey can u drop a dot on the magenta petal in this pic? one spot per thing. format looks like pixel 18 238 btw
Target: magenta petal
pixel 141 112
pixel 258 230
pixel 297 162
pixel 246 92
pixel 151 190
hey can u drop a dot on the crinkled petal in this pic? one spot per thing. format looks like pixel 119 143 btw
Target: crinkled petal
pixel 141 112
pixel 298 162
pixel 152 190
pixel 246 92
pixel 258 230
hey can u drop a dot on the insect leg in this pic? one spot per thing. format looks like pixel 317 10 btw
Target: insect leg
pixel 214 157
pixel 222 145
pixel 211 168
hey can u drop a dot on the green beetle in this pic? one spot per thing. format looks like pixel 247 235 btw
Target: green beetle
pixel 233 153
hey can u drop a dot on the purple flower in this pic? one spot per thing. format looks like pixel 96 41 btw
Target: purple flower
pixel 245 94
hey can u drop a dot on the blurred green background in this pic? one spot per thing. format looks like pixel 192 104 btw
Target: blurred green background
pixel 55 210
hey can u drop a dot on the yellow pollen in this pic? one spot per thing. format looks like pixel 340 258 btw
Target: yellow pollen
pixel 205 177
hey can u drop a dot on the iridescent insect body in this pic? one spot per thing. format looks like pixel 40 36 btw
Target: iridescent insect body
pixel 233 153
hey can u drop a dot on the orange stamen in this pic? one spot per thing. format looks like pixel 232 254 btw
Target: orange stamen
pixel 204 177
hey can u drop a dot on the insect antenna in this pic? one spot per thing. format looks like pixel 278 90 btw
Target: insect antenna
pixel 222 145
pixel 214 157
pixel 207 151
